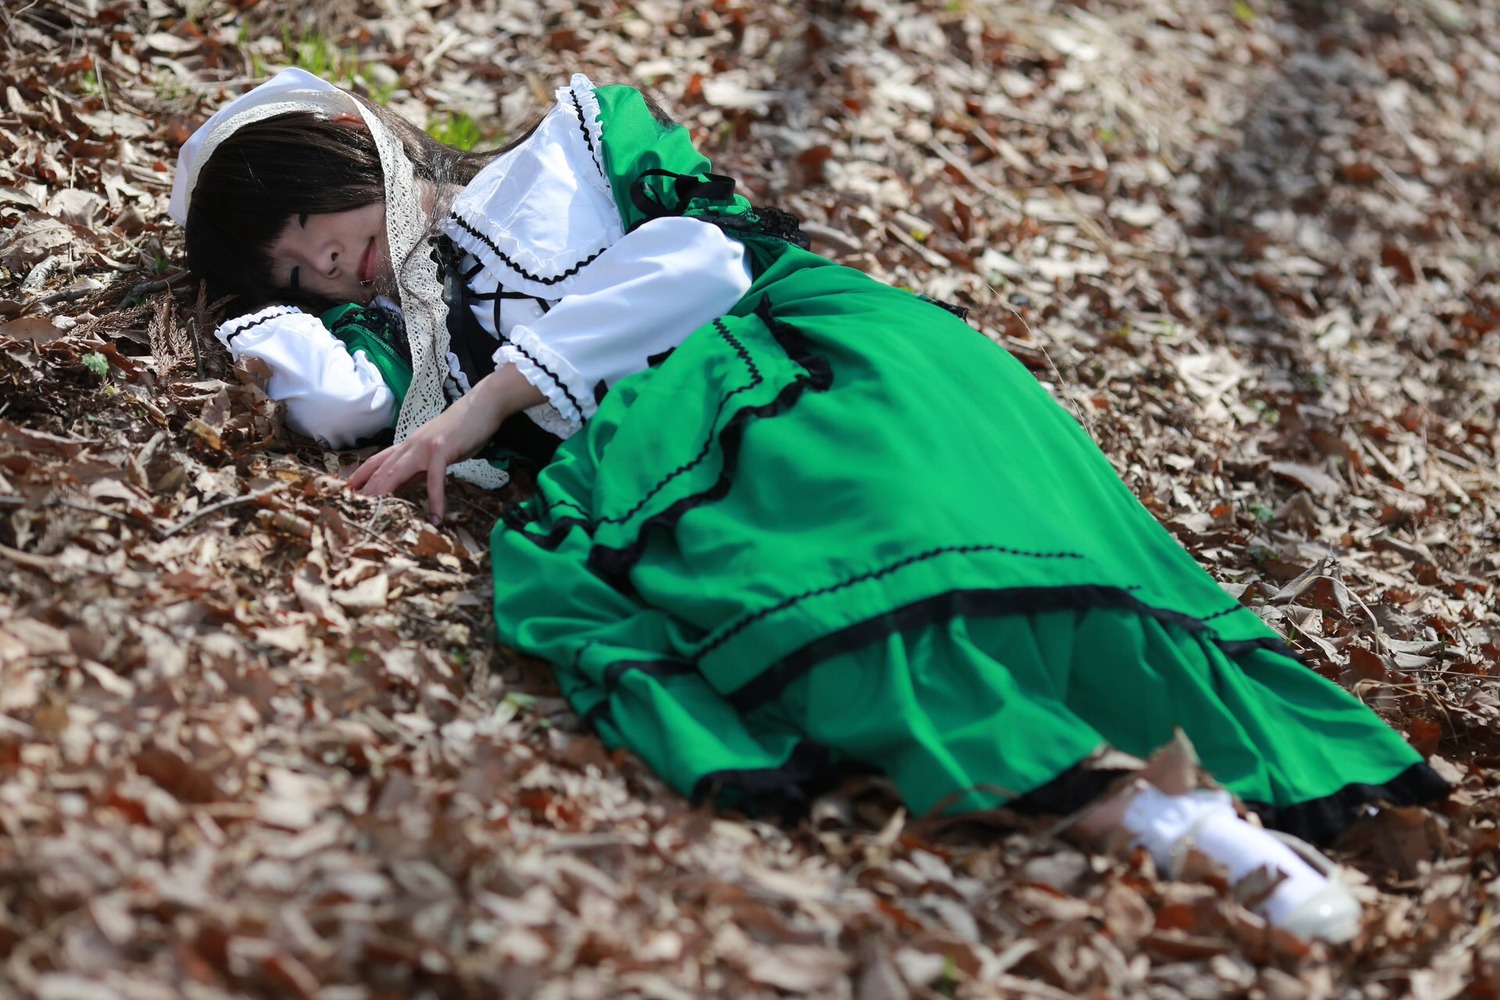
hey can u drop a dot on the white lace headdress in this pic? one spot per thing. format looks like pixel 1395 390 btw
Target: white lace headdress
pixel 421 290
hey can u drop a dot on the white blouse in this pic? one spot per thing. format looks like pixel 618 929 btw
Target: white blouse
pixel 571 299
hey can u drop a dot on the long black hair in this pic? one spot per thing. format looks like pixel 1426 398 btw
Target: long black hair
pixel 271 171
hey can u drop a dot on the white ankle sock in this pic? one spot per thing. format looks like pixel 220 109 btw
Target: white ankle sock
pixel 1168 826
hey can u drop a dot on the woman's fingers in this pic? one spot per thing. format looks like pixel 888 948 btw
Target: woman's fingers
pixel 381 472
pixel 368 468
pixel 437 476
pixel 426 454
pixel 457 433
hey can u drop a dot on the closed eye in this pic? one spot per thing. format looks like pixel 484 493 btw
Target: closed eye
pixel 302 220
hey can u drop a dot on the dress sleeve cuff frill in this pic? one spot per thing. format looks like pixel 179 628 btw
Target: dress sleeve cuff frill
pixel 569 403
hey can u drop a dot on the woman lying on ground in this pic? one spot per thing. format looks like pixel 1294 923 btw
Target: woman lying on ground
pixel 799 521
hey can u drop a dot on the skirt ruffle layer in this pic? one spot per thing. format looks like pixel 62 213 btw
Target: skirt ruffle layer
pixel 841 528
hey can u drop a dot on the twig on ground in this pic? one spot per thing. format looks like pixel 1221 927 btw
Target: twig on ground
pixel 214 508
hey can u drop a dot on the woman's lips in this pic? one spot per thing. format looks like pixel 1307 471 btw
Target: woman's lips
pixel 367 264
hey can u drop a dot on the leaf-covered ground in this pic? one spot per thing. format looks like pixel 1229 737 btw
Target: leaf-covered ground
pixel 256 735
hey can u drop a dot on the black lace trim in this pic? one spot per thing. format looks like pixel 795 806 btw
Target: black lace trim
pixel 1321 821
pixel 614 564
pixel 505 258
pixel 583 126
pixel 772 223
pixel 289 311
pixel 550 374
pixel 785 792
pixel 385 324
pixel 788 791
pixel 946 607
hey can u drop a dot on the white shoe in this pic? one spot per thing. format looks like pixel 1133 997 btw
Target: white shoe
pixel 1305 901
pixel 1331 914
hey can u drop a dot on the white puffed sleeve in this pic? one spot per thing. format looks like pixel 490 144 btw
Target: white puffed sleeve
pixel 330 395
pixel 637 299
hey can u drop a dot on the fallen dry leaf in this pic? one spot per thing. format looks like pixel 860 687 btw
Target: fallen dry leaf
pixel 257 738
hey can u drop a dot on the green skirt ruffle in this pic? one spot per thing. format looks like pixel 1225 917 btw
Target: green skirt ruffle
pixel 839 527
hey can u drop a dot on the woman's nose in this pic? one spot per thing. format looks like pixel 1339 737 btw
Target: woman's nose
pixel 321 257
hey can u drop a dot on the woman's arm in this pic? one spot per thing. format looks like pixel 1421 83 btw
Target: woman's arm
pixel 332 396
pixel 454 435
pixel 638 299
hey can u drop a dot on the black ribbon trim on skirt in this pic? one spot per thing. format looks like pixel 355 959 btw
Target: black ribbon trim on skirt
pixel 1065 793
pixel 756 378
pixel 1318 821
pixel 797 350
pixel 875 574
pixel 945 607
pixel 1321 821
pixel 785 792
pixel 780 791
pixel 611 681
pixel 612 564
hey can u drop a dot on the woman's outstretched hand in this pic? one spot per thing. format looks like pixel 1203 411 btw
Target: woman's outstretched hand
pixel 452 436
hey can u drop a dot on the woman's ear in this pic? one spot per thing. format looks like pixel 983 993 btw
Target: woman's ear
pixel 347 120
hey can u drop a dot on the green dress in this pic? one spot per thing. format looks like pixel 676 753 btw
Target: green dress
pixel 839 528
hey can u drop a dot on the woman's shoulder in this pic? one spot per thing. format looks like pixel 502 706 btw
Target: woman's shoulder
pixel 567 145
pixel 544 205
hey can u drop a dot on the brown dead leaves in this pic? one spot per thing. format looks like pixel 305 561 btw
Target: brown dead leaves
pixel 255 737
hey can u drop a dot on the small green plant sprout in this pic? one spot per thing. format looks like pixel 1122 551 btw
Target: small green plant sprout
pixel 456 129
pixel 321 57
pixel 520 700
pixel 96 363
pixel 92 83
pixel 380 83
pixel 314 53
pixel 1267 412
